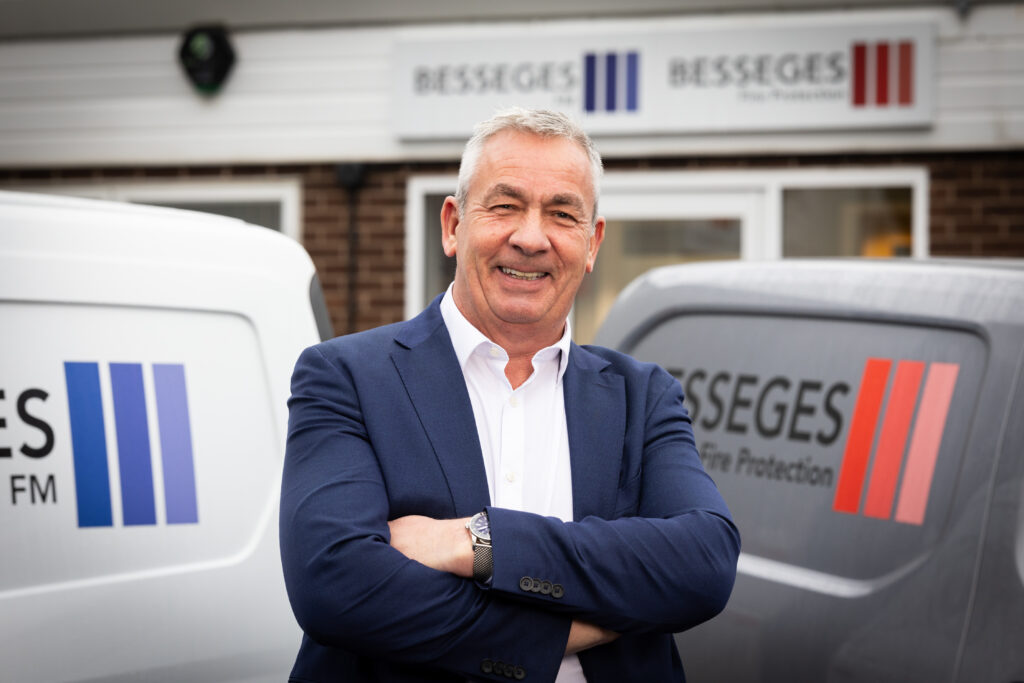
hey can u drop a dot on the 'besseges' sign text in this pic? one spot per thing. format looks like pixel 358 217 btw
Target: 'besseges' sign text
pixel 809 77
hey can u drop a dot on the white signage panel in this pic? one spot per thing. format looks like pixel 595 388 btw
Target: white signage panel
pixel 808 77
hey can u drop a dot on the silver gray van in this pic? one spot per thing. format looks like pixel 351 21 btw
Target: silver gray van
pixel 865 423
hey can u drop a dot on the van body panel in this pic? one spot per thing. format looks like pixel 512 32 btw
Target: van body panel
pixel 997 619
pixel 144 369
pixel 855 417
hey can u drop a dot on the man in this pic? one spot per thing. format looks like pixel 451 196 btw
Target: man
pixel 605 534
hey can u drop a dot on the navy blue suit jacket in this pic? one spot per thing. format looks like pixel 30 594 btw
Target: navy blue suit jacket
pixel 381 426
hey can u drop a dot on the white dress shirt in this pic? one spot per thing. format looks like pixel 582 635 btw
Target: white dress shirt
pixel 522 431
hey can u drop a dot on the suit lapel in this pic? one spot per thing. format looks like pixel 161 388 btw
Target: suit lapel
pixel 596 420
pixel 426 362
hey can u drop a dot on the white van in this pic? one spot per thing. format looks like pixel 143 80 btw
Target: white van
pixel 864 421
pixel 145 356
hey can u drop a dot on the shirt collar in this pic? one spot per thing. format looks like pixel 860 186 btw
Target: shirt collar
pixel 466 338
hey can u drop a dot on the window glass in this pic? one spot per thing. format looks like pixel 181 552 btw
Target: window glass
pixel 827 436
pixel 632 247
pixel 267 214
pixel 213 460
pixel 273 203
pixel 862 221
pixel 439 270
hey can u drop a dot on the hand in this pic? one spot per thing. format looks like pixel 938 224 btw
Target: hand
pixel 583 636
pixel 442 544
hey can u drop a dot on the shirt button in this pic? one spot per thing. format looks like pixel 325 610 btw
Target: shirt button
pixel 510 477
pixel 495 352
pixel 514 401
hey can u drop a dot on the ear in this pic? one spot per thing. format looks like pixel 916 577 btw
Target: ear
pixel 449 222
pixel 595 243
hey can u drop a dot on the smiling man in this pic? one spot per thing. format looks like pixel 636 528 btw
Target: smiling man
pixel 471 496
pixel 524 231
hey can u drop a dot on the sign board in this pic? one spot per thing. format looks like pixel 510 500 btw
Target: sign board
pixel 805 77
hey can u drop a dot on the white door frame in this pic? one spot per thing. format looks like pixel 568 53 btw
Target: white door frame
pixel 752 196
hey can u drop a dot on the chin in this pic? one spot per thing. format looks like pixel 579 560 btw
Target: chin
pixel 519 317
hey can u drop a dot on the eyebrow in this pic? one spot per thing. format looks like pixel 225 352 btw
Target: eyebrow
pixel 567 200
pixel 505 190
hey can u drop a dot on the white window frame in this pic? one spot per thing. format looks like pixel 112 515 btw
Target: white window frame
pixel 765 185
pixel 287 191
pixel 417 188
pixel 916 178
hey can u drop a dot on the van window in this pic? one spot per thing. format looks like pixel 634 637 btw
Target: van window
pixel 823 431
pixel 135 440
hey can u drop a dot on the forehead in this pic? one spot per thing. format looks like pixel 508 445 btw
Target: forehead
pixel 534 163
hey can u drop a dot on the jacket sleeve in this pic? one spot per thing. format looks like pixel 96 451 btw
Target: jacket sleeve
pixel 348 587
pixel 666 564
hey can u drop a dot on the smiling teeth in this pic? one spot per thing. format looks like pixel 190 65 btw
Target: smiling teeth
pixel 520 274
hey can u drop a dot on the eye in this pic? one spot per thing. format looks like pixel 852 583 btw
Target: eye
pixel 565 217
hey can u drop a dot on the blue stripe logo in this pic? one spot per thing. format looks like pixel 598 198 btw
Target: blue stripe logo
pixel 134 461
pixel 611 81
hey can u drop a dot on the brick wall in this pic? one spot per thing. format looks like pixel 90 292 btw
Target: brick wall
pixel 380 262
pixel 976 209
pixel 977 205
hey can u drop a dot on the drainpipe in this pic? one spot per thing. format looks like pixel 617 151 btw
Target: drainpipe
pixel 351 176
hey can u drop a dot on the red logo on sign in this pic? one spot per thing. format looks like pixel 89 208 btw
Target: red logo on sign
pixel 883 74
pixel 919 463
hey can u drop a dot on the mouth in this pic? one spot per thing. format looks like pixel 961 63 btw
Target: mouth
pixel 522 275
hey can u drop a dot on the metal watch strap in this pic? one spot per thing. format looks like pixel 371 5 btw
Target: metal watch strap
pixel 483 562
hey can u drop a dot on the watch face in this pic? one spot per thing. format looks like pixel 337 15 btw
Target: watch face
pixel 480 525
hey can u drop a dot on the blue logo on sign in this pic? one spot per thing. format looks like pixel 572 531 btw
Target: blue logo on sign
pixel 611 81
pixel 88 441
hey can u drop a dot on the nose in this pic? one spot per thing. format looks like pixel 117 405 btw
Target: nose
pixel 529 235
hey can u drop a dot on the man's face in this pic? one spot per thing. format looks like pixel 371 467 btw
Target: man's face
pixel 524 242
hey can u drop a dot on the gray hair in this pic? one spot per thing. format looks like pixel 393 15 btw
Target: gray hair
pixel 543 122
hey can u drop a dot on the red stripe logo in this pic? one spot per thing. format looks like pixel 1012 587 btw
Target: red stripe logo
pixel 891 453
pixel 883 74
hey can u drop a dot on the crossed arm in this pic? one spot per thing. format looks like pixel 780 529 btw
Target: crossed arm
pixel 444 545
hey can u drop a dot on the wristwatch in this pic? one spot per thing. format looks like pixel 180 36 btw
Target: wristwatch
pixel 479 526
